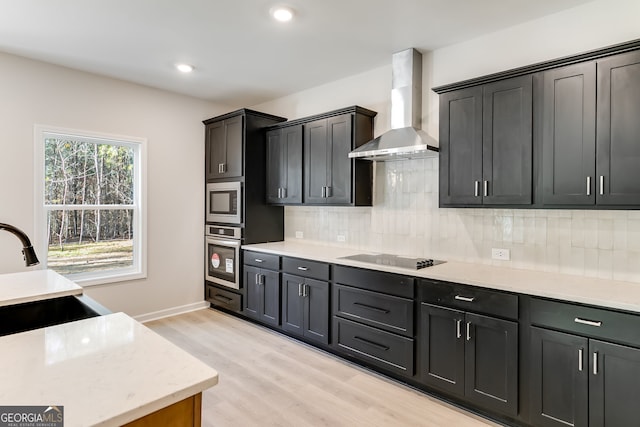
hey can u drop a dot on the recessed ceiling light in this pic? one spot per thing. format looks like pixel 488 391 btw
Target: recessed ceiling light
pixel 185 68
pixel 282 13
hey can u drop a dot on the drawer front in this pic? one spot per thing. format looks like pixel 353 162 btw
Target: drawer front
pixel 374 346
pixel 588 321
pixel 469 298
pixel 306 268
pixel 389 283
pixel 393 314
pixel 262 260
pixel 225 299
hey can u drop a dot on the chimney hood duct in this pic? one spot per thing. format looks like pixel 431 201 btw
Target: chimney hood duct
pixel 405 140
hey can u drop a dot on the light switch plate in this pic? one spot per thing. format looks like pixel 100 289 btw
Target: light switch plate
pixel 299 235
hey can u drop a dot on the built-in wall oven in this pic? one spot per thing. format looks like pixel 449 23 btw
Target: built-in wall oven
pixel 222 249
pixel 224 202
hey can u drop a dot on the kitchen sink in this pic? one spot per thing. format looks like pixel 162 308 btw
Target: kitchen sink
pixel 39 314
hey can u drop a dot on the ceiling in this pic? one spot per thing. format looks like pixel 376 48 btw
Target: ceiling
pixel 243 57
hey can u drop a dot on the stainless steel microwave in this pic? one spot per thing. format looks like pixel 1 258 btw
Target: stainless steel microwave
pixel 224 202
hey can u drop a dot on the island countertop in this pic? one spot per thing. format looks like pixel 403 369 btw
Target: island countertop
pixel 106 371
pixel 586 290
pixel 35 285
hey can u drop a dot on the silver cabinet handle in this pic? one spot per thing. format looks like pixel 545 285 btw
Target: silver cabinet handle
pixel 458 327
pixel 300 289
pixel 257 279
pixel 580 360
pixel 258 260
pixel 284 193
pixel 588 322
pixel 468 331
pixel 595 363
pixel 221 167
pixel 279 193
pixel 588 186
pixel 305 290
pixel 476 188
pixel 601 185
pixel 466 299
pixel 302 268
pixel 329 191
pixel 262 279
pixel 486 188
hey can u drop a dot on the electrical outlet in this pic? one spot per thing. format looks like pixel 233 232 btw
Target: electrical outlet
pixel 500 254
pixel 299 235
pixel 341 238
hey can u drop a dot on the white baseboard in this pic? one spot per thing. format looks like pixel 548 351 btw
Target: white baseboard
pixel 155 315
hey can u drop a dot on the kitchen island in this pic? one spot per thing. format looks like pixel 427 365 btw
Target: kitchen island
pixel 108 370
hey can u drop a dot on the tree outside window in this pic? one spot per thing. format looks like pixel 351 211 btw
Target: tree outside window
pixel 91 209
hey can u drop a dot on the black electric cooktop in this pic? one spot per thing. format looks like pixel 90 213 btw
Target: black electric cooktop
pixel 395 260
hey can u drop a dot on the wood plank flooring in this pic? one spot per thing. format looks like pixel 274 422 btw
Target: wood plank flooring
pixel 267 379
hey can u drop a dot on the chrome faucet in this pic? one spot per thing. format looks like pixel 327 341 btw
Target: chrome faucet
pixel 30 257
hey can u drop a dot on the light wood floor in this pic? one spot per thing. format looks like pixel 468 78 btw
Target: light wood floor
pixel 267 379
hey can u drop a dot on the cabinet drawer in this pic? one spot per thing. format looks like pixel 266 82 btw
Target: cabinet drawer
pixel 380 348
pixel 306 268
pixel 469 298
pixel 225 299
pixel 393 314
pixel 588 321
pixel 389 283
pixel 262 260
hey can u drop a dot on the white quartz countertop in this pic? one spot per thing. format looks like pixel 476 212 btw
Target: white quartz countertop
pixel 106 371
pixel 586 290
pixel 34 285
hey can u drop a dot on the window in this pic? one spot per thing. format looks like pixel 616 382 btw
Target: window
pixel 90 205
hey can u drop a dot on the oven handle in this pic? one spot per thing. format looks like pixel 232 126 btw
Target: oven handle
pixel 233 243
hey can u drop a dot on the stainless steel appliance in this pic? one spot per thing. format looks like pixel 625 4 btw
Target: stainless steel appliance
pixel 222 249
pixel 395 260
pixel 224 202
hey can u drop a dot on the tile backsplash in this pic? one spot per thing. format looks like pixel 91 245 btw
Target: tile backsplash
pixel 405 219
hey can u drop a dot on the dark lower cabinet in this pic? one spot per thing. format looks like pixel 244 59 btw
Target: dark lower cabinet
pixel 559 387
pixel 305 307
pixel 262 295
pixel 470 355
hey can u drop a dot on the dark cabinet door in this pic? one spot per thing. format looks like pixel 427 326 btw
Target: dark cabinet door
pixel 559 379
pixel 252 292
pixel 292 304
pixel 442 348
pixel 262 295
pixel 618 130
pixel 223 148
pixel 270 284
pixel 491 363
pixel 316 310
pixel 614 387
pixel 284 165
pixel 327 143
pixel 339 165
pixel 461 147
pixel 507 147
pixel 569 135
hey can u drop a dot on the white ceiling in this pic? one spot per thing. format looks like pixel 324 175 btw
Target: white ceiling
pixel 242 57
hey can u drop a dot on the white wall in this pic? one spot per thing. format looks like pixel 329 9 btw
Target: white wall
pixel 34 92
pixel 405 218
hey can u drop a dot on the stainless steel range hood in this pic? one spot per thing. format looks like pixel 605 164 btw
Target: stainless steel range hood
pixel 405 140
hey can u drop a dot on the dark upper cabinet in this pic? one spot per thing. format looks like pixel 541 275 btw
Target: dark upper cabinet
pixel 328 168
pixel 461 147
pixel 486 148
pixel 568 132
pixel 223 149
pixel 618 130
pixel 507 145
pixel 284 165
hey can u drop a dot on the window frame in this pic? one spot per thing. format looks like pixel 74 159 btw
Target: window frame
pixel 139 206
